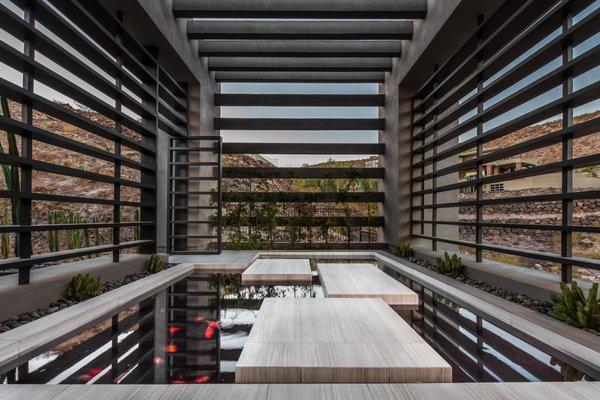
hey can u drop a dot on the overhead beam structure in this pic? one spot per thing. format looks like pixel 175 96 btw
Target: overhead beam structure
pixel 300 100
pixel 303 148
pixel 299 48
pixel 299 64
pixel 304 77
pixel 296 30
pixel 340 9
pixel 300 124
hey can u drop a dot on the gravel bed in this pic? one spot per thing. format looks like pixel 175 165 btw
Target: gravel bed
pixel 540 306
pixel 61 304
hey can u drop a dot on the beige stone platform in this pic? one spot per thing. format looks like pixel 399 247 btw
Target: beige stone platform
pixel 336 341
pixel 434 391
pixel 273 271
pixel 364 280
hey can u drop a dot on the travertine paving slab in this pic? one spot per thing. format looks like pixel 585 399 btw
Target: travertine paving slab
pixel 364 280
pixel 432 391
pixel 273 271
pixel 336 341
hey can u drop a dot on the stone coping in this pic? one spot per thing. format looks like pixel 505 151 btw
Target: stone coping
pixel 580 347
pixel 18 344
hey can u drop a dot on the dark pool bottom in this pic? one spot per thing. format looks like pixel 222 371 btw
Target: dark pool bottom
pixel 186 346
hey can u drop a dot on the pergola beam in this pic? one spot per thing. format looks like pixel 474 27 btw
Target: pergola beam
pixel 303 148
pixel 296 30
pixel 299 48
pixel 299 64
pixel 331 9
pixel 299 100
pixel 301 77
pixel 300 124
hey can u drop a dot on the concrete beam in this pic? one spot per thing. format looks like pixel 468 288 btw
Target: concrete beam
pixel 299 48
pixel 332 9
pixel 296 30
pixel 306 77
pixel 299 100
pixel 300 124
pixel 299 64
pixel 151 23
pixel 302 172
pixel 303 148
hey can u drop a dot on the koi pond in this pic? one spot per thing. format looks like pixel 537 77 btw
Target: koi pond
pixel 194 332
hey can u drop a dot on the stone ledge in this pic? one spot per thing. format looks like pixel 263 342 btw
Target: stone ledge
pixel 50 283
pixel 581 348
pixel 536 284
pixel 17 345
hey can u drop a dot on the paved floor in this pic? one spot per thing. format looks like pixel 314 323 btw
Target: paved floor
pixel 364 280
pixel 446 391
pixel 336 341
pixel 277 271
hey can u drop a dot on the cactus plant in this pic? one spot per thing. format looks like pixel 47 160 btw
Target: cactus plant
pixel 11 172
pixel 54 217
pixel 404 250
pixel 83 287
pixel 449 266
pixel 574 308
pixel 137 217
pixel 156 264
pixel 5 241
pixel 94 219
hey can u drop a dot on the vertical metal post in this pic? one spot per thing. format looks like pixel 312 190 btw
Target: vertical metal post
pixel 24 216
pixel 566 239
pixel 160 336
pixel 218 344
pixel 114 350
pixel 219 197
pixel 116 231
pixel 148 195
pixel 479 331
pixel 479 152
pixel 434 168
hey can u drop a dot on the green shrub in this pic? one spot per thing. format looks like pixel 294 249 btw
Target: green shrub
pixel 404 251
pixel 156 264
pixel 574 308
pixel 83 287
pixel 449 266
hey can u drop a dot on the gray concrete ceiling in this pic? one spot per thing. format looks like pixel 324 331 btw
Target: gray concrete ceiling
pixel 300 40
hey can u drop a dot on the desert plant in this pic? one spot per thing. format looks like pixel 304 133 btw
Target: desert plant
pixel 137 217
pixel 574 308
pixel 404 250
pixel 11 172
pixel 156 264
pixel 76 238
pixel 449 266
pixel 94 219
pixel 83 287
pixel 5 241
pixel 54 217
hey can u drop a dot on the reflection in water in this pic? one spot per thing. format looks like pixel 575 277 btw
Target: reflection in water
pixel 208 319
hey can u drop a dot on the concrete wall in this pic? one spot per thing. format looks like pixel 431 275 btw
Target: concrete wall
pixel 448 25
pixel 201 116
pixel 50 284
pixel 152 23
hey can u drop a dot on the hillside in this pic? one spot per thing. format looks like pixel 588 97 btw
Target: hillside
pixel 61 185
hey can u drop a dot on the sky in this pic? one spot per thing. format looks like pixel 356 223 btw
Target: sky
pixel 291 136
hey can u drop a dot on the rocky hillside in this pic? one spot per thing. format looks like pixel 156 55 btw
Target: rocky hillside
pixel 583 146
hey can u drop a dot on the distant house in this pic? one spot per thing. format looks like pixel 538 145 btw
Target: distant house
pixel 507 165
